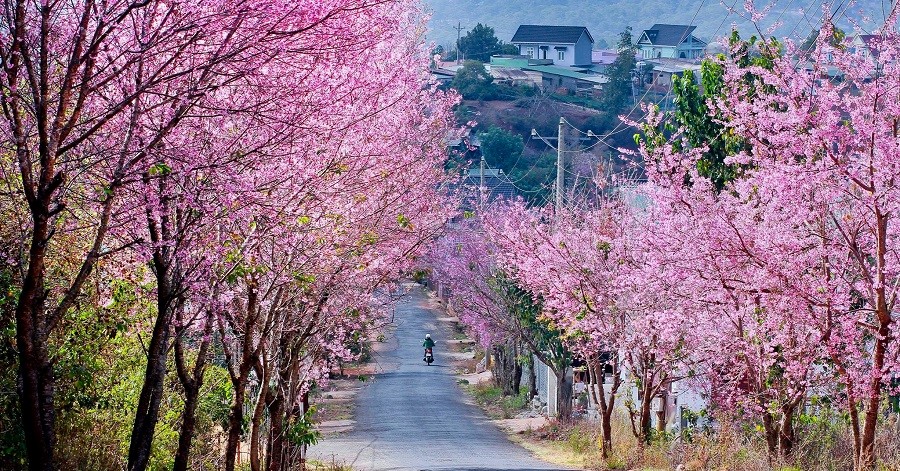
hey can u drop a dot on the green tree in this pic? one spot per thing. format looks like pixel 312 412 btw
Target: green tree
pixel 617 93
pixel 703 126
pixel 501 148
pixel 539 336
pixel 473 82
pixel 480 43
pixel 837 39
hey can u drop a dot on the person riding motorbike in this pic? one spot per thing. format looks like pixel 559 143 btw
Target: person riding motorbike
pixel 428 344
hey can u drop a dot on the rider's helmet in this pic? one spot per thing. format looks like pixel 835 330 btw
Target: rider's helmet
pixel 427 336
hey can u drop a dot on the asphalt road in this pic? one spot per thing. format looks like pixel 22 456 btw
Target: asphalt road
pixel 415 417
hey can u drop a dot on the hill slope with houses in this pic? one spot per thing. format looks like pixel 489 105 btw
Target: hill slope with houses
pixel 606 18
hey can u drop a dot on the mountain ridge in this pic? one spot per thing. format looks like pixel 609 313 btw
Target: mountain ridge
pixel 605 19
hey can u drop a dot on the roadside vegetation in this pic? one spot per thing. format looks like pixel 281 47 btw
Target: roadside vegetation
pixel 827 447
pixel 490 397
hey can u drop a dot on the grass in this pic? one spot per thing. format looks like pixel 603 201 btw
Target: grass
pixel 580 101
pixel 315 465
pixel 490 397
pixel 730 448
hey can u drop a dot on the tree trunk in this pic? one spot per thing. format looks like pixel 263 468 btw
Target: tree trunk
pixel 506 369
pixel 604 403
pixel 771 432
pixel 532 379
pixel 786 437
pixel 191 384
pixel 661 415
pixel 275 455
pixel 188 424
pixel 258 412
pixel 645 423
pixel 866 453
pixel 154 379
pixel 563 396
pixel 235 424
pixel 304 447
pixel 35 371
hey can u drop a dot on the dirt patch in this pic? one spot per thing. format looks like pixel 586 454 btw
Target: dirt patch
pixel 552 452
pixel 522 424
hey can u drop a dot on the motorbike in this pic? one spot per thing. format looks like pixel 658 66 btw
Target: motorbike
pixel 429 356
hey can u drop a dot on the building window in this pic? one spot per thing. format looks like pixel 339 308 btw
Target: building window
pixel 529 52
pixel 561 54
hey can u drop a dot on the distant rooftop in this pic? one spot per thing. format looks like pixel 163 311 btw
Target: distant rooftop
pixel 571 72
pixel 604 56
pixel 668 35
pixel 550 34
pixel 497 186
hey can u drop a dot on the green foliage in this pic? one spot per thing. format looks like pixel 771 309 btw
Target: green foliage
pixel 473 82
pixel 480 43
pixel 301 431
pixel 836 39
pixel 580 441
pixel 501 148
pixel 702 127
pixel 513 404
pixel 160 169
pixel 617 92
pixel 404 222
pixel 542 335
pixel 487 393
pixel 215 403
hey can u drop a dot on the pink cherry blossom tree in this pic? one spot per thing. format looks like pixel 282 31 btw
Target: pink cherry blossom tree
pixel 168 130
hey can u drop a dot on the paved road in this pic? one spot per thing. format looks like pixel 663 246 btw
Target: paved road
pixel 414 417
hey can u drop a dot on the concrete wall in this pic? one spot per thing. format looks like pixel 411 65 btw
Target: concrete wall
pixel 680 400
pixel 554 82
pixel 690 51
pixel 577 54
pixel 582 53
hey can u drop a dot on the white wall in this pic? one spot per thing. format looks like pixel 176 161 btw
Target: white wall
pixel 574 54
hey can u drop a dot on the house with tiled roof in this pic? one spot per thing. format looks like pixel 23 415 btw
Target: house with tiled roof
pixel 670 42
pixel 564 46
pixel 493 186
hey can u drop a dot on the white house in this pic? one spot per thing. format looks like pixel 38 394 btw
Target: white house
pixel 862 44
pixel 562 45
pixel 670 41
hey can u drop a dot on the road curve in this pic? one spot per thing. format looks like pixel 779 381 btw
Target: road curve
pixel 414 417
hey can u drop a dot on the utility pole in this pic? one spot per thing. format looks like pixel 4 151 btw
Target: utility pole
pixel 481 183
pixel 458 28
pixel 560 157
pixel 560 165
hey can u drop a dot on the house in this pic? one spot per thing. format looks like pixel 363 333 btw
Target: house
pixel 442 75
pixel 561 45
pixel 664 70
pixel 569 80
pixel 862 44
pixel 513 76
pixel 493 186
pixel 604 56
pixel 573 80
pixel 670 41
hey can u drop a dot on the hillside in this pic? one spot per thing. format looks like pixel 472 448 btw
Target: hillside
pixel 606 18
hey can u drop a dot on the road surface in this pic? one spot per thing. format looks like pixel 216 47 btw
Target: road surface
pixel 415 417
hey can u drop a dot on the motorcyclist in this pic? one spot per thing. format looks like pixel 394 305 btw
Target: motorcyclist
pixel 428 344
